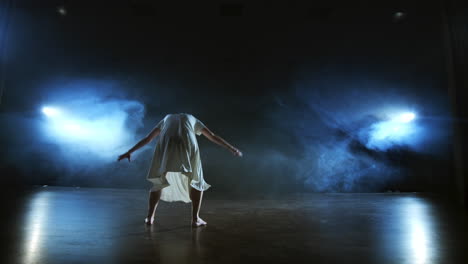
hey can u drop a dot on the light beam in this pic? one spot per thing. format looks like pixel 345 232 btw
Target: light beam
pixel 399 130
pixel 406 117
pixel 50 111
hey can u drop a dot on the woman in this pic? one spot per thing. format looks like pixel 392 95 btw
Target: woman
pixel 176 170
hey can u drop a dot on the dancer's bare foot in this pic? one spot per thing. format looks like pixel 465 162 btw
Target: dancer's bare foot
pixel 198 222
pixel 149 221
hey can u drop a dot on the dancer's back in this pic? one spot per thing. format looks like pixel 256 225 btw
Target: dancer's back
pixel 179 125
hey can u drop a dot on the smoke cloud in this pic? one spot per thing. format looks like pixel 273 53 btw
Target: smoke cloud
pixel 358 138
pixel 75 134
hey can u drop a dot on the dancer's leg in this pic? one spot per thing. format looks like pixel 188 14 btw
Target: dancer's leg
pixel 196 197
pixel 152 204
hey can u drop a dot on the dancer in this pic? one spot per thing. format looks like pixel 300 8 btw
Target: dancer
pixel 176 170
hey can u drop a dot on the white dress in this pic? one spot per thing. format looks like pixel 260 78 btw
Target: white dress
pixel 176 163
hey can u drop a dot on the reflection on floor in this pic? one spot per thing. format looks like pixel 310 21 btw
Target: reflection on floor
pixel 67 225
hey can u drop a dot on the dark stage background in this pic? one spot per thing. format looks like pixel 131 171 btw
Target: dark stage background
pixel 307 92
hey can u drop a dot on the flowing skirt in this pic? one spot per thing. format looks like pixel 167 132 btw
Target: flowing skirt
pixel 176 166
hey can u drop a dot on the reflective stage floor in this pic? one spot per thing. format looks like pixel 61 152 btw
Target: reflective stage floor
pixel 67 225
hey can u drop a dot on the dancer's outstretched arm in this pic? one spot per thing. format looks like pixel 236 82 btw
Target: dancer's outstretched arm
pixel 154 133
pixel 220 141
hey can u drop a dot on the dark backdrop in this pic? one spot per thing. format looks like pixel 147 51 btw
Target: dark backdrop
pixel 296 86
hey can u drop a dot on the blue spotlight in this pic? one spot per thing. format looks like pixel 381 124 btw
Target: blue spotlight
pixel 50 111
pixel 399 130
pixel 405 117
pixel 82 128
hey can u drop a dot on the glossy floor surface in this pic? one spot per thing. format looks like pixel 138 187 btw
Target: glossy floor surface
pixel 66 225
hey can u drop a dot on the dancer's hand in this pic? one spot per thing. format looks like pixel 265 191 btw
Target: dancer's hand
pixel 236 152
pixel 123 156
